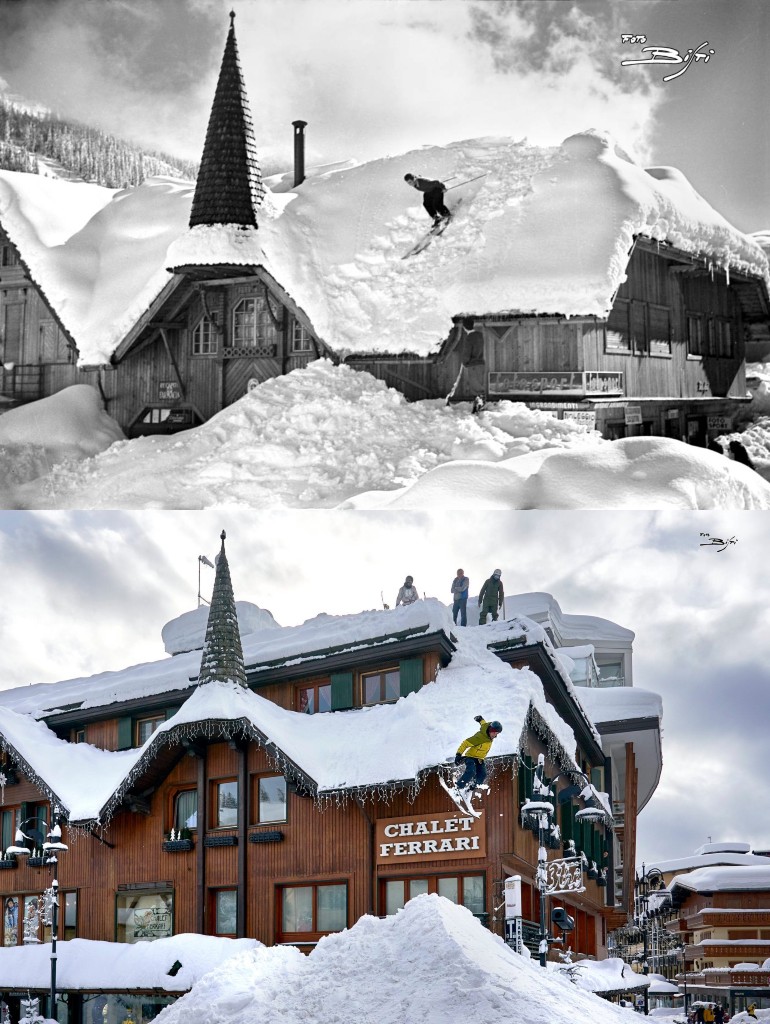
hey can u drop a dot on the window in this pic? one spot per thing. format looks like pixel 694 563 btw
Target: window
pixel 618 334
pixel 301 340
pixel 307 910
pixel 467 890
pixel 9 822
pixel 70 915
pixel 314 699
pixel 252 326
pixel 695 333
pixel 611 674
pixel 145 727
pixel 142 916
pixel 79 736
pixel 379 687
pixel 721 338
pixel 268 799
pixel 225 916
pixel 186 809
pixel 226 804
pixel 10 259
pixel 660 330
pixel 204 338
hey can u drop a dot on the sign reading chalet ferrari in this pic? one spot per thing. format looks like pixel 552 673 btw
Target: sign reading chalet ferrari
pixel 405 840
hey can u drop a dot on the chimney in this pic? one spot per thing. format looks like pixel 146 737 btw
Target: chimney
pixel 299 152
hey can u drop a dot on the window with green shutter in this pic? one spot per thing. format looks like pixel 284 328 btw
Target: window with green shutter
pixel 342 690
pixel 567 821
pixel 125 733
pixel 525 778
pixel 410 672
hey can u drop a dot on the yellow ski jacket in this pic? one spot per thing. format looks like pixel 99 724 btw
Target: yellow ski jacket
pixel 478 744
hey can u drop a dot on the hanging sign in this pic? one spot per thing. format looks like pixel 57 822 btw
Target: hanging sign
pixel 563 876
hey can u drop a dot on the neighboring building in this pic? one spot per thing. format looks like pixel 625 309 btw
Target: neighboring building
pixel 598 290
pixel 277 788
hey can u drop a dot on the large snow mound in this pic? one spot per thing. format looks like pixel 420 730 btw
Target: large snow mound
pixel 187 631
pixel 71 420
pixel 431 963
pixel 535 229
pixel 632 473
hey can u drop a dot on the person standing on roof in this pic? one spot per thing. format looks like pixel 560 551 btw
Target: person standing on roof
pixel 473 751
pixel 433 197
pixel 459 592
pixel 491 598
pixel 408 593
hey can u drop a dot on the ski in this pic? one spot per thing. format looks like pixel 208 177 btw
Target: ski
pixel 461 802
pixel 435 231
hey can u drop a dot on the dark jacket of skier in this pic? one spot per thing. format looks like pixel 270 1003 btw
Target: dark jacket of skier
pixel 491 597
pixel 433 198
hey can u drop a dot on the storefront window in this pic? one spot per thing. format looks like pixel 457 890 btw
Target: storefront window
pixel 143 916
pixel 117 1009
pixel 11 921
pixel 467 890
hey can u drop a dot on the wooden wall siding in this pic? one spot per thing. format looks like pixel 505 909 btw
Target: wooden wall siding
pixel 238 373
pixel 414 378
pixel 653 279
pixel 103 734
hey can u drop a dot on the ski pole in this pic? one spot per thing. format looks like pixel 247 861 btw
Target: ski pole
pixel 459 183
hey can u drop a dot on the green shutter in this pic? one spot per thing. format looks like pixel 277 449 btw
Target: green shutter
pixel 525 778
pixel 342 690
pixel 410 675
pixel 567 821
pixel 125 733
pixel 25 811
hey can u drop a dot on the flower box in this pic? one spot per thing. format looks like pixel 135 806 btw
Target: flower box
pixel 220 841
pixel 8 862
pixel 36 862
pixel 273 836
pixel 177 845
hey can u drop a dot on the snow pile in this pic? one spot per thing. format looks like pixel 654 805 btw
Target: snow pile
pixel 69 426
pixel 755 438
pixel 753 877
pixel 88 965
pixel 603 976
pixel 633 473
pixel 545 230
pixel 187 632
pixel 309 439
pixel 430 963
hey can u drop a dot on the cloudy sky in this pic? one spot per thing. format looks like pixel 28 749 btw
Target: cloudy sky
pixel 377 77
pixel 89 591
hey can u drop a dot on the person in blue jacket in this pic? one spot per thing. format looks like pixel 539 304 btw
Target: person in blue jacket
pixel 459 592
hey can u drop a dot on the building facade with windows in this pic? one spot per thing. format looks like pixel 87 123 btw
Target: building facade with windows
pixel 277 789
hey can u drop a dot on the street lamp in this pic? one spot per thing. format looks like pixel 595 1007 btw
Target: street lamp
pixel 650 882
pixel 559 876
pixel 51 848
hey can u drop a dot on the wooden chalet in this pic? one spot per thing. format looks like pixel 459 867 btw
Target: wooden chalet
pixel 272 796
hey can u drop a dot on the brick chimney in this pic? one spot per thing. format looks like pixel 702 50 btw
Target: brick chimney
pixel 299 152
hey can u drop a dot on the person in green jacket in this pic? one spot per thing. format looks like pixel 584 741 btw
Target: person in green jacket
pixel 472 752
pixel 491 597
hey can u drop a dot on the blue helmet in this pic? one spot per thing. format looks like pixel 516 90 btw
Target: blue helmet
pixel 494 727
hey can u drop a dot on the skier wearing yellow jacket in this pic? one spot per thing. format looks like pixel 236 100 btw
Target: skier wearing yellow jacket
pixel 472 752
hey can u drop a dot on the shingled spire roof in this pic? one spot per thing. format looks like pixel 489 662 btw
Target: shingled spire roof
pixel 222 659
pixel 229 188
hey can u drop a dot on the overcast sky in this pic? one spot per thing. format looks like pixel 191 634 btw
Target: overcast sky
pixel 84 592
pixel 379 77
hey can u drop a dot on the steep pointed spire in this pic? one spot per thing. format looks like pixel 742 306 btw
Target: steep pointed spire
pixel 222 659
pixel 229 188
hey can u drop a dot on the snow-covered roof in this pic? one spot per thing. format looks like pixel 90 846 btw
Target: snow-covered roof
pixel 611 976
pixel 588 629
pixel 619 703
pixel 540 230
pixel 88 965
pixel 723 856
pixel 260 649
pixel 722 878
pixel 385 744
pixel 458 970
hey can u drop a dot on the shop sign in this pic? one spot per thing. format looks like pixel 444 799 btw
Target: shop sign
pixel 718 422
pixel 585 416
pixel 169 391
pixel 555 382
pixel 434 837
pixel 632 415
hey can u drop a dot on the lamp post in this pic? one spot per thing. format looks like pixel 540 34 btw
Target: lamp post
pixel 559 876
pixel 51 848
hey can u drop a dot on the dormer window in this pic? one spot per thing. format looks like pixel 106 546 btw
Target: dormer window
pixel 252 326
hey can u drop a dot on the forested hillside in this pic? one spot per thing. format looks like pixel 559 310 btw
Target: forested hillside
pixel 27 137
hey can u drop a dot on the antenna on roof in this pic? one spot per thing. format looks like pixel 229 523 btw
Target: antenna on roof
pixel 202 560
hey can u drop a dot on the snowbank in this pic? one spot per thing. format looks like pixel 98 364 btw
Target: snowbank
pixel 430 963
pixel 612 975
pixel 71 423
pixel 633 473
pixel 88 965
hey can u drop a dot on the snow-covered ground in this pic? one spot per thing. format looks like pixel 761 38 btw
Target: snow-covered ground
pixel 431 963
pixel 328 436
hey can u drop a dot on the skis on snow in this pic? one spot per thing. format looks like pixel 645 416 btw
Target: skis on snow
pixel 461 801
pixel 435 231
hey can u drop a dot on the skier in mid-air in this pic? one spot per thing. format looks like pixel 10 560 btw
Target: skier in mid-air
pixel 433 196
pixel 472 751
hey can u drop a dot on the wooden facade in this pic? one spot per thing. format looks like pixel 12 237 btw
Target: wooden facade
pixel 257 853
pixel 37 355
pixel 669 359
